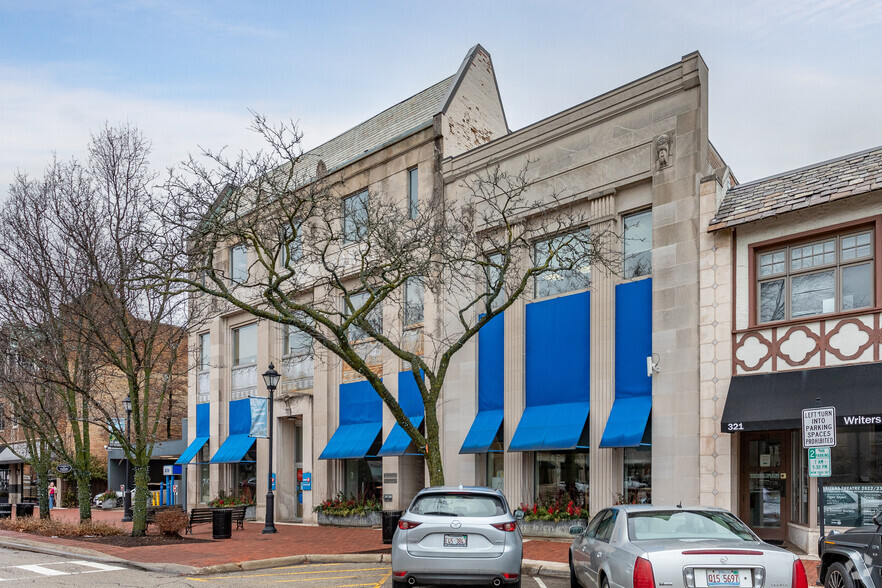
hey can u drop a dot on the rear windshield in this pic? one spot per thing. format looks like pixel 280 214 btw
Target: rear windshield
pixel 452 504
pixel 678 524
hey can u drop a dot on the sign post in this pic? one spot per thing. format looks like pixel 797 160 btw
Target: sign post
pixel 818 435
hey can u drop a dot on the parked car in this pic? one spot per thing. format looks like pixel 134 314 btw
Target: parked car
pixel 456 535
pixel 644 545
pixel 851 556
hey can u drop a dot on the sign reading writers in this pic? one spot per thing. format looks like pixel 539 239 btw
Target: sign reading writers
pixel 819 427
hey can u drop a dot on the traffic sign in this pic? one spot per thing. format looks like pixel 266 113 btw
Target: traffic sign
pixel 820 463
pixel 64 468
pixel 819 427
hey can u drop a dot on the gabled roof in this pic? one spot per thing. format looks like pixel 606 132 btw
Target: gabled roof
pixel 393 124
pixel 851 175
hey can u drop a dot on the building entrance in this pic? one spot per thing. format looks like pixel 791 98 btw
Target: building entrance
pixel 765 500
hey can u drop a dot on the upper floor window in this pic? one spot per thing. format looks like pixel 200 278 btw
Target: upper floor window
pixel 374 316
pixel 638 244
pixel 355 217
pixel 296 342
pixel 239 263
pixel 245 345
pixel 413 193
pixel 569 267
pixel 413 302
pixel 292 249
pixel 833 274
pixel 204 352
pixel 492 271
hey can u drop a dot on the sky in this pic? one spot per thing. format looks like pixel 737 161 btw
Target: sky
pixel 791 82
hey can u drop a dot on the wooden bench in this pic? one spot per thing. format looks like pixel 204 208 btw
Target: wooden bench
pixel 199 515
pixel 239 516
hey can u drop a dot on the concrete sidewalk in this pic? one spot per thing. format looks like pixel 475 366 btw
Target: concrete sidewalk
pixel 249 549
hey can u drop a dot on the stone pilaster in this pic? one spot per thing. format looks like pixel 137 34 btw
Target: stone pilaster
pixel 518 465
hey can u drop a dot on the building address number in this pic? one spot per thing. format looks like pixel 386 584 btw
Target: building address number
pixel 736 426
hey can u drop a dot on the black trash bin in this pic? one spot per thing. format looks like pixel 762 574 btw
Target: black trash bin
pixel 24 510
pixel 222 523
pixel 5 510
pixel 390 522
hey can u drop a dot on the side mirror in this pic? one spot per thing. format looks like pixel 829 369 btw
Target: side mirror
pixel 577 530
pixel 519 515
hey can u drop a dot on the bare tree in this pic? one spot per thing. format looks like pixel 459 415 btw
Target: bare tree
pixel 328 266
pixel 99 221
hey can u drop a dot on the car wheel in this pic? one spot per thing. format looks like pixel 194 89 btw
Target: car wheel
pixel 838 577
pixel 574 583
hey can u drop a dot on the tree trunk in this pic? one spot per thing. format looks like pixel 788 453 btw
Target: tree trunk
pixel 433 453
pixel 84 494
pixel 139 506
pixel 42 474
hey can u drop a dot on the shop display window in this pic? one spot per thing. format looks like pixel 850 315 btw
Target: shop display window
pixel 562 477
pixel 246 476
pixel 363 478
pixel 853 493
pixel 638 475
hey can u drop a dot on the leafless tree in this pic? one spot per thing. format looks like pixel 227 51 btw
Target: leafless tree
pixel 328 266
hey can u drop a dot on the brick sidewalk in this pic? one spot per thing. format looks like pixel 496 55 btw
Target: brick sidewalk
pixel 250 544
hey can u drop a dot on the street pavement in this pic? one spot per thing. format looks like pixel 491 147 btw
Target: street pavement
pixel 301 548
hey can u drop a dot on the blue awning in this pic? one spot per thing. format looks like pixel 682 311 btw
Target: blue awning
pixel 352 441
pixel 483 431
pixel 398 440
pixel 627 422
pixel 191 450
pixel 233 449
pixel 551 427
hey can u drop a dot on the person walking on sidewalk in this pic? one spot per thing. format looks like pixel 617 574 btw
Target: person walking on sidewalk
pixel 51 495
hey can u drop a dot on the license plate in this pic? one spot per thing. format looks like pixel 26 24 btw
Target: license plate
pixel 456 540
pixel 723 578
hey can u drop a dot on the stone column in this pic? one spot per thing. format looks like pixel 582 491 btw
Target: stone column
pixel 518 465
pixel 605 475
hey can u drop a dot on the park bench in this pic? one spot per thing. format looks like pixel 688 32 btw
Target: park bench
pixel 199 515
pixel 239 516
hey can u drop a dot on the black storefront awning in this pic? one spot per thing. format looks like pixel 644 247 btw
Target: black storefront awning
pixel 766 402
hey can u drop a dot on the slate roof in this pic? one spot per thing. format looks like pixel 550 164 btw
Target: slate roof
pixel 820 183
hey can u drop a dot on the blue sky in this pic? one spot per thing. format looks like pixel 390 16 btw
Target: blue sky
pixel 791 82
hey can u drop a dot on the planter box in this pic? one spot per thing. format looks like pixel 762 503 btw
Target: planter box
pixel 550 528
pixel 373 519
pixel 250 513
pixel 109 503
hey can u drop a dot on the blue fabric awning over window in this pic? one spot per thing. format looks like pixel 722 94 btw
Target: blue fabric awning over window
pixel 411 403
pixel 633 404
pixel 491 366
pixel 361 421
pixel 202 434
pixel 557 375
pixel 551 427
pixel 238 442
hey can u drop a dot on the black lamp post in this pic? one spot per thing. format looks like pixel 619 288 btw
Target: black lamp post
pixel 127 497
pixel 271 379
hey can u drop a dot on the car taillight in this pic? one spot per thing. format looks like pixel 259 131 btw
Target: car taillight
pixel 643 577
pixel 799 578
pixel 405 525
pixel 506 526
pixel 399 574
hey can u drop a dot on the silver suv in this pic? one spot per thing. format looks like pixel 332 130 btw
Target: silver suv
pixel 458 536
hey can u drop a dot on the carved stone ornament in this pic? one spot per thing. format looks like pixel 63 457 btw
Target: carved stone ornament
pixel 321 170
pixel 663 151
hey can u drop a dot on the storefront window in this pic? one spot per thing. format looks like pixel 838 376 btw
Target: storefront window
pixel 4 483
pixel 204 476
pixel 363 478
pixel 799 487
pixel 561 477
pixel 853 494
pixel 638 475
pixel 246 476
pixel 28 484
pixel 495 467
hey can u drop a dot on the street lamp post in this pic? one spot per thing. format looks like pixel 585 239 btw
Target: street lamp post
pixel 127 496
pixel 271 379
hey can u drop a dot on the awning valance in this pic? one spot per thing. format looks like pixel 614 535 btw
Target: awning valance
pixel 361 421
pixel 398 440
pixel 484 430
pixel 766 402
pixel 411 402
pixel 202 434
pixel 233 449
pixel 552 427
pixel 627 422
pixel 191 451
pixel 352 441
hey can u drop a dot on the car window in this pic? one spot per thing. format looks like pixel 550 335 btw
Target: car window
pixel 458 504
pixel 683 524
pixel 592 526
pixel 606 526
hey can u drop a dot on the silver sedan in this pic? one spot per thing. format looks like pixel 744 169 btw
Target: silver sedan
pixel 458 536
pixel 642 546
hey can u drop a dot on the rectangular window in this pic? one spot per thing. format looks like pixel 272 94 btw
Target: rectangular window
pixel 204 352
pixel 412 193
pixel 204 473
pixel 829 275
pixel 413 302
pixel 569 264
pixel 562 476
pixel 638 244
pixel 374 316
pixel 638 475
pixel 297 362
pixel 245 345
pixel 246 476
pixel 492 271
pixel 853 494
pixel 355 217
pixel 203 374
pixel 239 264
pixel 292 247
pixel 363 478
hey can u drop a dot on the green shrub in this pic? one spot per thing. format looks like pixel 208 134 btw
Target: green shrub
pixel 344 507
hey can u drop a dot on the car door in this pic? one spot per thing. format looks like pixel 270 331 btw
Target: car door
pixel 593 549
pixel 581 552
pixel 601 546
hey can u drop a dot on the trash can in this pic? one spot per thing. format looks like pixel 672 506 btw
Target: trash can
pixel 24 510
pixel 390 523
pixel 222 523
pixel 5 510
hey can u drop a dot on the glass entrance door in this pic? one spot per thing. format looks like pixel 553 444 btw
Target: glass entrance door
pixel 765 502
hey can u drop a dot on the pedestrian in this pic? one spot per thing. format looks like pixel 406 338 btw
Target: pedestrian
pixel 51 495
